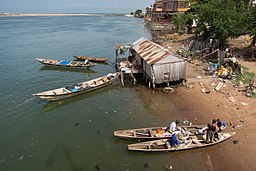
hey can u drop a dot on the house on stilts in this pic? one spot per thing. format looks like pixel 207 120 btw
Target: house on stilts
pixel 158 64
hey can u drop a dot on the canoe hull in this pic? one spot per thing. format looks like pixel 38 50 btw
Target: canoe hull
pixel 159 145
pixel 143 133
pixel 91 58
pixel 48 95
pixel 71 64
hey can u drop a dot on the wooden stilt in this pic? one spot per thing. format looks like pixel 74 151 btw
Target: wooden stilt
pixel 122 78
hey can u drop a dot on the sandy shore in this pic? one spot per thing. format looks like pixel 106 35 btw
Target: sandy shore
pixel 228 104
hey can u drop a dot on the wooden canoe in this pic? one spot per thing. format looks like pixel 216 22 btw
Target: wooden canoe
pixel 65 63
pixel 152 132
pixel 91 58
pixel 193 142
pixel 77 89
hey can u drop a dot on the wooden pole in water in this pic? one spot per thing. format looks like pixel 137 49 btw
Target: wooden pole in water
pixel 122 78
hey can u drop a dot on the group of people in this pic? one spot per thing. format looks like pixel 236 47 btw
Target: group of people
pixel 213 128
pixel 120 49
pixel 181 135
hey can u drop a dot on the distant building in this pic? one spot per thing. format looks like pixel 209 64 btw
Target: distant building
pixel 254 3
pixel 148 13
pixel 158 64
pixel 157 12
pixel 163 10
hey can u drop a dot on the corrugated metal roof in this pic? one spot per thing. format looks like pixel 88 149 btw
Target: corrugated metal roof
pixel 152 52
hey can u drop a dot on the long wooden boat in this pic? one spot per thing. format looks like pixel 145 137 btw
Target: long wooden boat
pixel 91 58
pixel 152 132
pixel 77 89
pixel 65 63
pixel 193 142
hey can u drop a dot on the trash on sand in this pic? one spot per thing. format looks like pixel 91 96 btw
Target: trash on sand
pixel 168 90
pixel 232 99
pixel 188 123
pixel 235 141
pixel 244 104
pixel 146 165
pixel 218 87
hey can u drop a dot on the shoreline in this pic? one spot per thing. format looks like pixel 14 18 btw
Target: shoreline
pixel 239 114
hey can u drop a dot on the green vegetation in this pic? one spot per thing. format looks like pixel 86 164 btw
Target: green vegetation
pixel 246 77
pixel 251 25
pixel 221 19
pixel 138 13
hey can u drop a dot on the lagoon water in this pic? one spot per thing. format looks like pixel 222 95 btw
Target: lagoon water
pixel 75 134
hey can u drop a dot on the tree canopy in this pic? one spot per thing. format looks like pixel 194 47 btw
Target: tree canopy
pixel 221 19
pixel 138 13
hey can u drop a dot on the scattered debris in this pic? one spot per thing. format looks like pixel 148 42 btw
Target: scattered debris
pixel 188 123
pixel 146 165
pixel 235 141
pixel 190 86
pixel 218 87
pixel 232 99
pixel 244 104
pixel 168 90
pixel 97 167
pixel 168 167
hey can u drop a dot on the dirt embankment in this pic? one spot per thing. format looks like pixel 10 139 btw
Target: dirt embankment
pixel 238 111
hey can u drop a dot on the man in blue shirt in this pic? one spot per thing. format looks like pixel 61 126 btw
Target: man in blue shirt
pixel 221 125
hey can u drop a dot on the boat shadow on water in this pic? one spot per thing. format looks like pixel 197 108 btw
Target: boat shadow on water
pixel 65 69
pixel 52 105
pixel 61 147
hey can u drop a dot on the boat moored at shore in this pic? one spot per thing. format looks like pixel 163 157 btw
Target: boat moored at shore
pixel 92 59
pixel 153 132
pixel 161 145
pixel 65 63
pixel 77 89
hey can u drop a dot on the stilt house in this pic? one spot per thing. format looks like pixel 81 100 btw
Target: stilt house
pixel 159 65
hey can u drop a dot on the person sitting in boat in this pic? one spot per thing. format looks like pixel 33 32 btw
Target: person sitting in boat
pixel 86 61
pixel 173 141
pixel 167 133
pixel 221 125
pixel 173 126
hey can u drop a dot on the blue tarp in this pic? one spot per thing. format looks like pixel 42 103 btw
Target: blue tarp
pixel 64 62
pixel 74 90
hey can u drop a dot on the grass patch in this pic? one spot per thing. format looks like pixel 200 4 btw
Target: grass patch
pixel 246 77
pixel 253 95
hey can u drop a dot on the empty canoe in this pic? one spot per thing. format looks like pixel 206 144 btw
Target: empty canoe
pixel 77 89
pixel 65 63
pixel 91 58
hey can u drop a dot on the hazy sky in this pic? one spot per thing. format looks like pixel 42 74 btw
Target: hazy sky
pixel 72 6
